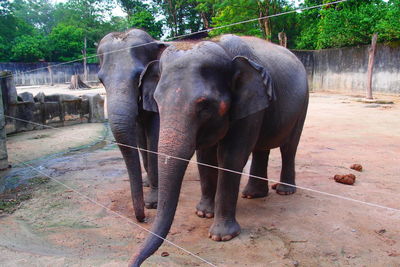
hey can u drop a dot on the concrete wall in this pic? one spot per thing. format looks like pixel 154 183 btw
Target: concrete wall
pixel 54 110
pixel 345 69
pixel 24 74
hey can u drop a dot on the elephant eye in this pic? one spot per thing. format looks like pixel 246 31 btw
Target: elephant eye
pixel 205 108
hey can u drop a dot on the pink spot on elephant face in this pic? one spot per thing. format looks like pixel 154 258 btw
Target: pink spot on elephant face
pixel 178 90
pixel 201 99
pixel 223 108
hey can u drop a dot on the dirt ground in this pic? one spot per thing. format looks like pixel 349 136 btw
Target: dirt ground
pixel 57 227
pixel 46 142
pixel 59 89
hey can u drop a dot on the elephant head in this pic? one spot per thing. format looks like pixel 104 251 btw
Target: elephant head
pixel 202 88
pixel 123 57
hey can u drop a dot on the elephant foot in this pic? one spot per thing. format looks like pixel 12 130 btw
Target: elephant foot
pixel 205 208
pixel 145 180
pixel 250 191
pixel 224 230
pixel 282 189
pixel 150 200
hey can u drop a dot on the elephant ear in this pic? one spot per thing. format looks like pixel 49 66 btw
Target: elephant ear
pixel 252 88
pixel 148 83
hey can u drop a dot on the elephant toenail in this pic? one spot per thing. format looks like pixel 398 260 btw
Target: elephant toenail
pixel 209 215
pixel 227 238
pixel 216 238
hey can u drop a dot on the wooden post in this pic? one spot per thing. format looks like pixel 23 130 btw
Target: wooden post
pixel 51 74
pixel 371 60
pixel 3 137
pixel 85 74
pixel 282 39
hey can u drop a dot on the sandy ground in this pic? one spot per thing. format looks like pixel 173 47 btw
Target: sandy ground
pixel 59 89
pixel 57 227
pixel 32 145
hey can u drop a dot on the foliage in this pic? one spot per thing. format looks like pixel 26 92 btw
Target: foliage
pixel 389 26
pixel 28 48
pixel 38 13
pixel 145 20
pixel 348 24
pixel 65 42
pixel 141 15
pixel 181 16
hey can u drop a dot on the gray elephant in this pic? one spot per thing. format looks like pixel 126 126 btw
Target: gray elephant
pixel 123 56
pixel 225 98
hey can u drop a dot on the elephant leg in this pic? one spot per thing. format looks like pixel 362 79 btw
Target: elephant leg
pixel 152 126
pixel 288 154
pixel 208 181
pixel 255 187
pixel 233 153
pixel 142 143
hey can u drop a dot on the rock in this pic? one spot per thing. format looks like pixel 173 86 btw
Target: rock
pixel 345 179
pixel 26 97
pixel 356 167
pixel 96 104
pixel 40 97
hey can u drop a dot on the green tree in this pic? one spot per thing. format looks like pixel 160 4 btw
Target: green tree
pixel 37 13
pixel 348 23
pixel 132 6
pixel 28 48
pixel 142 16
pixel 66 42
pixel 231 11
pixel 388 26
pixel 145 20
pixel 181 16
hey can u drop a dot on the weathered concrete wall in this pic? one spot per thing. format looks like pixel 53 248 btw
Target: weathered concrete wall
pixel 345 69
pixel 54 110
pixel 38 73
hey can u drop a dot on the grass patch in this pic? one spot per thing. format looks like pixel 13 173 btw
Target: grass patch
pixel 11 199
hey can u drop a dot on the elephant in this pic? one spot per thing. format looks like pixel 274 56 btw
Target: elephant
pixel 225 98
pixel 123 56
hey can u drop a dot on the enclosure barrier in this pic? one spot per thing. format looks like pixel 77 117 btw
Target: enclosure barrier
pixel 56 110
pixel 48 72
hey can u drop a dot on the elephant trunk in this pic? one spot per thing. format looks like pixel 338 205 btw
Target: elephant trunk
pixel 122 114
pixel 178 143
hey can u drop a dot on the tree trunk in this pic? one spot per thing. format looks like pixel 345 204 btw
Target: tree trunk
pixel 85 75
pixel 264 23
pixel 371 61
pixel 51 75
pixel 174 16
pixel 77 83
pixel 282 39
pixel 205 20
